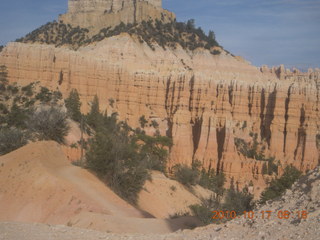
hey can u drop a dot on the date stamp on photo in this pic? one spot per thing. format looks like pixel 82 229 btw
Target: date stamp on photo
pixel 281 214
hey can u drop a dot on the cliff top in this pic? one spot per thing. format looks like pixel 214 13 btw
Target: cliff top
pixel 76 6
pixel 97 14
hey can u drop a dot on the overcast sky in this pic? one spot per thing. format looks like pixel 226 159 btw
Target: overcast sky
pixel 271 32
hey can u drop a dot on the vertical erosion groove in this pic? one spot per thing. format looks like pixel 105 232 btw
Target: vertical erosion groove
pixel 286 117
pixel 318 147
pixel 191 89
pixel 262 107
pixel 135 11
pixel 170 105
pixel 196 134
pixel 167 108
pixel 221 136
pixel 266 119
pixel 269 115
pixel 302 136
pixel 230 92
pixel 209 130
pixel 250 96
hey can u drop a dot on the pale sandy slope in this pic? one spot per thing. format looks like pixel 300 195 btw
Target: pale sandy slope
pixel 38 184
pixel 304 195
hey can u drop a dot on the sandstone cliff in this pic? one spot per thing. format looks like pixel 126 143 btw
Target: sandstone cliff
pixel 98 14
pixel 207 103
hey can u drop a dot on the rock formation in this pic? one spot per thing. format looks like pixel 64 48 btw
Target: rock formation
pixel 207 103
pixel 98 14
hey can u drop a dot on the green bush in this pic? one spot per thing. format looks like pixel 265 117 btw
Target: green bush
pixel 154 124
pixel 114 157
pixel 238 201
pixel 17 116
pixel 11 139
pixel 186 175
pixel 45 95
pixel 202 212
pixel 143 121
pixel 49 123
pixel 278 186
pixel 122 156
pixel 212 181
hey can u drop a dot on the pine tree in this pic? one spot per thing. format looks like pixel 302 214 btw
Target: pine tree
pixel 94 118
pixel 73 105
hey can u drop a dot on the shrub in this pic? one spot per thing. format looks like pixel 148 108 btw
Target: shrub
pixel 143 121
pixel 49 123
pixel 45 95
pixel 11 139
pixel 173 188
pixel 278 186
pixel 111 102
pixel 154 124
pixel 212 181
pixel 121 156
pixel 186 175
pixel 114 157
pixel 28 89
pixel 238 201
pixel 17 116
pixel 202 212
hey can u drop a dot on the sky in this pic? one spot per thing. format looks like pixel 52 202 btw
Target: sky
pixel 264 32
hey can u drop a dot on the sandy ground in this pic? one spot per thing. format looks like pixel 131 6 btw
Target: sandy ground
pixel 38 184
pixel 169 197
pixel 304 194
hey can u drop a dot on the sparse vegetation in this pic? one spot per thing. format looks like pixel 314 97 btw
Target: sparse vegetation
pixel 238 201
pixel 202 212
pixel 209 179
pixel 143 121
pixel 11 139
pixel 186 175
pixel 111 102
pixel 173 188
pixel 120 156
pixel 187 35
pixel 154 124
pixel 21 118
pixel 278 186
pixel 58 34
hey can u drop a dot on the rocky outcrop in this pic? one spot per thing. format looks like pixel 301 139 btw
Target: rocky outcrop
pixel 98 14
pixel 203 101
pixel 219 110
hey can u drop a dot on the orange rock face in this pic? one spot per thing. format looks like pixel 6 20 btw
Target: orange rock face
pixel 204 102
